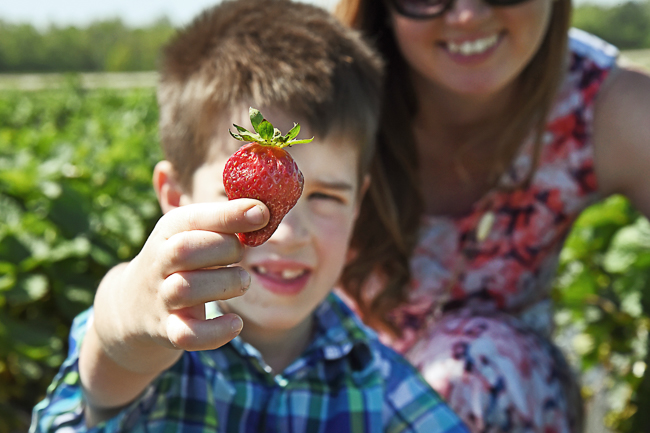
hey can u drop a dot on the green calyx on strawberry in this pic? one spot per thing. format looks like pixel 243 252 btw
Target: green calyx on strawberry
pixel 262 169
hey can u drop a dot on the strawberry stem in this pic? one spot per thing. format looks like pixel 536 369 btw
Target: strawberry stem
pixel 265 134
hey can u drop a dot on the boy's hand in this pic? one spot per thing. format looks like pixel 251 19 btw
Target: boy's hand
pixel 151 309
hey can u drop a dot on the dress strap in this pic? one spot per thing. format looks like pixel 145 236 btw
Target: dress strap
pixel 587 45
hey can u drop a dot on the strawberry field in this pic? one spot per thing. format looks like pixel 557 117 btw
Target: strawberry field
pixel 76 198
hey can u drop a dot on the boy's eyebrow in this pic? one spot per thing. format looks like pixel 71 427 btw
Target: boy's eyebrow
pixel 335 185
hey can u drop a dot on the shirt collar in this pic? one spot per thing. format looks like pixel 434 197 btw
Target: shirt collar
pixel 338 330
pixel 338 333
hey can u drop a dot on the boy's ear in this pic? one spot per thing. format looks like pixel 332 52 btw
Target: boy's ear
pixel 168 190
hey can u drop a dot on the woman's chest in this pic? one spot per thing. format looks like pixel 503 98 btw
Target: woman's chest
pixel 505 247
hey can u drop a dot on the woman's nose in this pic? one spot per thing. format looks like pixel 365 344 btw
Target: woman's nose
pixel 467 12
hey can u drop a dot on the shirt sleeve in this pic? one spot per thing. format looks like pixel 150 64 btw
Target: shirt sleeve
pixel 62 409
pixel 411 405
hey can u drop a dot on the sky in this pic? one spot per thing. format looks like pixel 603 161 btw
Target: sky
pixel 42 13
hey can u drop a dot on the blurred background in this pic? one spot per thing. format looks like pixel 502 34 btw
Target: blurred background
pixel 78 141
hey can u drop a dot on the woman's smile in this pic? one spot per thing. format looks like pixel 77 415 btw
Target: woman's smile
pixel 471 47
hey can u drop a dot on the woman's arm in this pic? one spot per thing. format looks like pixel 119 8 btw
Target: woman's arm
pixel 622 137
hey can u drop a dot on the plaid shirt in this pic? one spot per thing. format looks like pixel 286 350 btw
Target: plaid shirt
pixel 345 381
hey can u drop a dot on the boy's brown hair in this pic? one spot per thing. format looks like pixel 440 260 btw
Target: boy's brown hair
pixel 267 53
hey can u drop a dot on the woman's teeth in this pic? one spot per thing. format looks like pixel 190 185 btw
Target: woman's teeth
pixel 470 48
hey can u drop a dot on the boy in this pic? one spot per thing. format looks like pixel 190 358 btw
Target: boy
pixel 145 358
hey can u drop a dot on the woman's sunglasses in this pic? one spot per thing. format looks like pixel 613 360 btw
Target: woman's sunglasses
pixel 426 9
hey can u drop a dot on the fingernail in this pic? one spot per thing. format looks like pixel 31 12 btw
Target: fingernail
pixel 245 280
pixel 254 215
pixel 236 324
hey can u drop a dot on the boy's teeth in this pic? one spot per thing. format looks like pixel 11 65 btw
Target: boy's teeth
pixel 477 46
pixel 289 274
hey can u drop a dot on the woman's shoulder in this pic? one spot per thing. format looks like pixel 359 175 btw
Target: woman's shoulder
pixel 622 136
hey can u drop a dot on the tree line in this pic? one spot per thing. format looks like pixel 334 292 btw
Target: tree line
pixel 626 25
pixel 112 46
pixel 108 46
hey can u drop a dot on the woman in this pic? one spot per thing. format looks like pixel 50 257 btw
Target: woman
pixel 500 126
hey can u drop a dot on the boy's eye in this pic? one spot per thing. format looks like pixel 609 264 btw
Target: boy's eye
pixel 324 196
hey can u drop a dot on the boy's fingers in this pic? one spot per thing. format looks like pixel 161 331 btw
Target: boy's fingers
pixel 192 334
pixel 234 216
pixel 185 289
pixel 198 249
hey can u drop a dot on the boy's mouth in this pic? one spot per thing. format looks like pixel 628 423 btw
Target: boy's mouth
pixel 283 274
pixel 282 278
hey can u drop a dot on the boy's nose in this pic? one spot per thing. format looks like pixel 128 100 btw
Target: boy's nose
pixel 293 230
pixel 467 12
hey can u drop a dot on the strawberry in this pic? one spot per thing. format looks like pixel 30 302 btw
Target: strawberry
pixel 262 169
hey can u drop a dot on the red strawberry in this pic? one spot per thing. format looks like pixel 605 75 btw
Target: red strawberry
pixel 263 170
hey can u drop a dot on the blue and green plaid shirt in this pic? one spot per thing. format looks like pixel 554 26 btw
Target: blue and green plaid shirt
pixel 345 381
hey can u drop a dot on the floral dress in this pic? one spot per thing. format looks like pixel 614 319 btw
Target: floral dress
pixel 479 317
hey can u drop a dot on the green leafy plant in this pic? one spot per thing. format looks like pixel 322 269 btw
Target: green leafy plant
pixel 75 199
pixel 603 294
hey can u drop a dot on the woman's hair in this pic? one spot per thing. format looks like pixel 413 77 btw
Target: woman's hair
pixel 387 228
